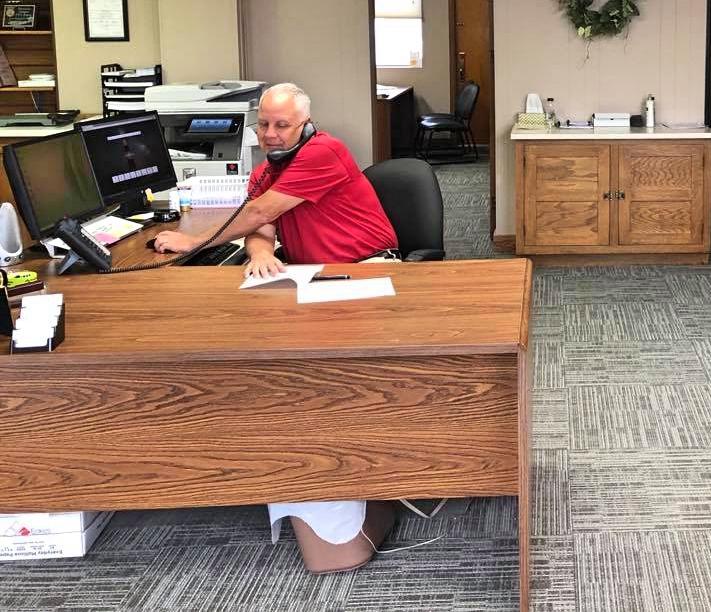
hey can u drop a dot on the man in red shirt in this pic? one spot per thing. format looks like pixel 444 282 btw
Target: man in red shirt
pixel 319 204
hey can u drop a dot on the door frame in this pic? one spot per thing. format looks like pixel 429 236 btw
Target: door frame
pixel 492 105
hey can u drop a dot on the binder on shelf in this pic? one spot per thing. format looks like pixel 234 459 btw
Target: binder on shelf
pixel 123 89
pixel 7 76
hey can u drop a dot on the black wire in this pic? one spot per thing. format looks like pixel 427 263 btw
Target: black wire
pixel 268 171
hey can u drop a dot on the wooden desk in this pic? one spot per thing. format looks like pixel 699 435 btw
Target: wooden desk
pixel 394 122
pixel 174 389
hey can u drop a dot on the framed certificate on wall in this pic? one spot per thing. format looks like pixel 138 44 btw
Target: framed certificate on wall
pixel 105 20
pixel 18 16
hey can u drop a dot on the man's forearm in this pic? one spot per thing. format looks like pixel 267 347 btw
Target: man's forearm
pixel 246 223
pixel 258 243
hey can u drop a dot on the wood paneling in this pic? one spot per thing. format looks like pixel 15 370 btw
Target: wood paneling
pixel 663 187
pixel 564 195
pixel 243 432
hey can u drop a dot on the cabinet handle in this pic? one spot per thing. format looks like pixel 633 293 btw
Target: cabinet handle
pixel 621 195
pixel 607 196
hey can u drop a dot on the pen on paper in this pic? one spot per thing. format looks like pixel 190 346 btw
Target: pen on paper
pixel 324 277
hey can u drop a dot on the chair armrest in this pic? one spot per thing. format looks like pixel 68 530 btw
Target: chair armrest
pixel 425 255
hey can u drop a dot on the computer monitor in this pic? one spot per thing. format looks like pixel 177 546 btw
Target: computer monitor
pixel 51 178
pixel 128 155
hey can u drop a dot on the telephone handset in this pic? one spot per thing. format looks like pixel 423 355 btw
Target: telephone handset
pixel 279 156
pixel 82 245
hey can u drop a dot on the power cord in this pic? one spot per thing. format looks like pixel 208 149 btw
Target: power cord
pixel 418 512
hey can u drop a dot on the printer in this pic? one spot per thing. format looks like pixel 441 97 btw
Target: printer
pixel 209 127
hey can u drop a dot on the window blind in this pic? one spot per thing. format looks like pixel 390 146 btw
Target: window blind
pixel 398 9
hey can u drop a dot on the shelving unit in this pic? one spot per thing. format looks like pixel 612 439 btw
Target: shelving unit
pixel 30 51
pixel 123 89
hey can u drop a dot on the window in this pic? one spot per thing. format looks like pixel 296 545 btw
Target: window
pixel 398 33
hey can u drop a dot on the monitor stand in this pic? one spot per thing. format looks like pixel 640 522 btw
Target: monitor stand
pixel 137 204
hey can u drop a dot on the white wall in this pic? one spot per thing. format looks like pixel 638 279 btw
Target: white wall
pixel 78 61
pixel 537 50
pixel 323 46
pixel 431 82
pixel 198 40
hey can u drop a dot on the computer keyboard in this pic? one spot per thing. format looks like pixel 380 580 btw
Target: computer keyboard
pixel 227 254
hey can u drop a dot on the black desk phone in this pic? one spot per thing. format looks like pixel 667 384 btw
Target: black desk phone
pixel 82 245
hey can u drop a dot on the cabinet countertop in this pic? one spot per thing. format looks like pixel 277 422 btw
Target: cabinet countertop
pixel 615 133
pixel 33 131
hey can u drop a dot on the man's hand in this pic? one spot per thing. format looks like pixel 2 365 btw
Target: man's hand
pixel 175 242
pixel 263 264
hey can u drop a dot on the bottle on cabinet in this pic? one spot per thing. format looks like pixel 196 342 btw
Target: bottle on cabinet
pixel 549 109
pixel 649 111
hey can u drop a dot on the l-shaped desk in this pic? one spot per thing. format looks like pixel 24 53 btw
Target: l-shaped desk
pixel 175 389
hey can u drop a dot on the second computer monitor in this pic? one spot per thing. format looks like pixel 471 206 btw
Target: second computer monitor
pixel 51 178
pixel 128 155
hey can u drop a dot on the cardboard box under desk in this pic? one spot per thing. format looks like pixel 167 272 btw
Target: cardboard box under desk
pixel 45 536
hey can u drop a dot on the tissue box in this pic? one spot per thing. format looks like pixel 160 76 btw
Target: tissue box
pixel 532 121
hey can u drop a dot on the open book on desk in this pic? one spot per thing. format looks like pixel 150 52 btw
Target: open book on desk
pixel 308 292
pixel 106 230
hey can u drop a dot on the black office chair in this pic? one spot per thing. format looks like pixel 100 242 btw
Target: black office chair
pixel 409 192
pixel 457 124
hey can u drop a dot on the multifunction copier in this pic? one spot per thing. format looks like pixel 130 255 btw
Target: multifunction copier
pixel 209 127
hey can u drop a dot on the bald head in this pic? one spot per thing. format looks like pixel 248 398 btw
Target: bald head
pixel 287 96
pixel 283 110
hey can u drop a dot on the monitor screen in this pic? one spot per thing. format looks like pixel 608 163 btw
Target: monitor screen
pixel 51 178
pixel 128 155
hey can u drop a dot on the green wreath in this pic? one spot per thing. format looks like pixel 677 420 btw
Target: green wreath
pixel 612 19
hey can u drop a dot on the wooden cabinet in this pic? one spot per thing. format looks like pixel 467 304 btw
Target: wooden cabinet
pixel 612 197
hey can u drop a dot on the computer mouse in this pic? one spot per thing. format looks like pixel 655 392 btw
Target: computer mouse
pixel 151 244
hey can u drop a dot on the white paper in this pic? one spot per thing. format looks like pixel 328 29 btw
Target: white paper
pixel 340 290
pixel 249 139
pixel 48 300
pixel 299 275
pixel 684 126
pixel 105 18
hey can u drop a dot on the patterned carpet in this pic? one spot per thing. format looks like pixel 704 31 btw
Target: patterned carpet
pixel 621 516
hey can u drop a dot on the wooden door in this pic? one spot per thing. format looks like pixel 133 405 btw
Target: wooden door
pixel 661 194
pixel 474 58
pixel 566 195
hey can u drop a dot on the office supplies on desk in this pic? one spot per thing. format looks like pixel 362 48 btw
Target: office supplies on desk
pixel 5 314
pixel 10 237
pixel 229 253
pixel 341 290
pixel 214 191
pixel 20 277
pixel 611 120
pixel 40 326
pixel 294 275
pixel 110 229
pixel 83 247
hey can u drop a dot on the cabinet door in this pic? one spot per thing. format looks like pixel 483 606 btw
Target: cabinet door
pixel 661 194
pixel 565 195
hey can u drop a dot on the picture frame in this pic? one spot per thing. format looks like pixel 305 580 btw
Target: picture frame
pixel 18 16
pixel 105 20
